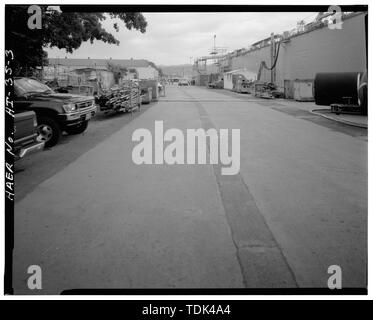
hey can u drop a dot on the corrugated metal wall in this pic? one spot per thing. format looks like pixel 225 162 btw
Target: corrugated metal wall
pixel 321 50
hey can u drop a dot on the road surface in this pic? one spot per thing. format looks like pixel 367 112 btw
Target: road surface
pixel 297 206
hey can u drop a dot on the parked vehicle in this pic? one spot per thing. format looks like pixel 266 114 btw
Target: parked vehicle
pixel 56 112
pixel 183 82
pixel 25 136
pixel 217 84
pixel 215 81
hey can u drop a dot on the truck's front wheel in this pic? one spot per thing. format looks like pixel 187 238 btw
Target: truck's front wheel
pixel 49 131
pixel 80 128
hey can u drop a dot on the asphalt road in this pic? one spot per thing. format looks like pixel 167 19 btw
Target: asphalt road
pixel 91 218
pixel 33 170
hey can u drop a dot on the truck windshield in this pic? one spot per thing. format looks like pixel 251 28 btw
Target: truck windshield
pixel 26 85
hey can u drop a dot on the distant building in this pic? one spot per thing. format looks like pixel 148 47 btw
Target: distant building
pixel 97 72
pixel 304 51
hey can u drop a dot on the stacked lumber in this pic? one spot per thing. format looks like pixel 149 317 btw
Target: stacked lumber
pixel 125 98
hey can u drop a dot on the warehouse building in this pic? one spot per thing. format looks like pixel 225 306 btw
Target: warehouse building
pixel 307 51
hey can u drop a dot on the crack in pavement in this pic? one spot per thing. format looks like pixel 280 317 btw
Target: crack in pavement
pixel 261 259
pixel 205 100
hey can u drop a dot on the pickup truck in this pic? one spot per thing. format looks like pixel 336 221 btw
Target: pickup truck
pixel 56 112
pixel 25 136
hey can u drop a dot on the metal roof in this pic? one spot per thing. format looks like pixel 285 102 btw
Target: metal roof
pixel 93 63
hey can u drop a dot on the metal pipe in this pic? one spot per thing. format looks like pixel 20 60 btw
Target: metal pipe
pixel 211 57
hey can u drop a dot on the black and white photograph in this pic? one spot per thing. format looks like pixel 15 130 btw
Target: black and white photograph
pixel 192 149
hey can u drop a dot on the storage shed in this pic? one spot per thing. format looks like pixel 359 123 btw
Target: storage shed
pixel 228 77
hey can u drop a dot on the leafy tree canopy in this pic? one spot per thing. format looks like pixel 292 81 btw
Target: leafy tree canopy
pixel 64 30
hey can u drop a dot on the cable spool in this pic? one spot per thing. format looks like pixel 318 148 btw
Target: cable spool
pixel 339 87
pixel 363 93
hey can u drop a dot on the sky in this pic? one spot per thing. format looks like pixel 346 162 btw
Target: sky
pixel 179 38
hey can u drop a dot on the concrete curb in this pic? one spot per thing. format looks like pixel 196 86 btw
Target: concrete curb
pixel 350 123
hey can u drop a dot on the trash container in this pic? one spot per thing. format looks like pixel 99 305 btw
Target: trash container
pixel 146 95
pixel 150 94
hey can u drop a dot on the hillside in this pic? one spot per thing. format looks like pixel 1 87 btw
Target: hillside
pixel 182 70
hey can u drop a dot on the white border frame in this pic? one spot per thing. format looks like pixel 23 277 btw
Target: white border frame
pixel 181 297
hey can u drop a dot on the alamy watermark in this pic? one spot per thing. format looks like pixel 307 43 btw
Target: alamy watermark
pixel 34 21
pixel 34 280
pixel 336 19
pixel 335 280
pixel 198 146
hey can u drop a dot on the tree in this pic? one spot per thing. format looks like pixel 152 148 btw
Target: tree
pixel 64 30
pixel 117 71
pixel 160 71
